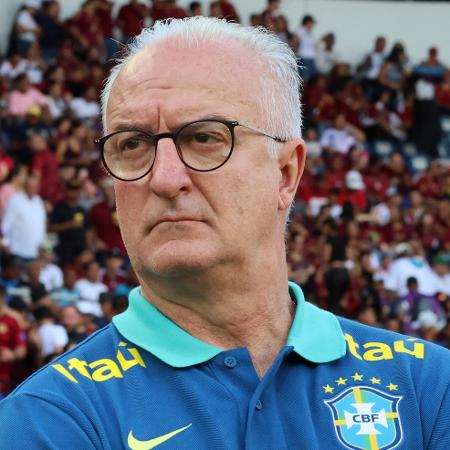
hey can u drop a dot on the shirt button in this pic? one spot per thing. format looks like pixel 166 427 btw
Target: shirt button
pixel 230 362
pixel 259 405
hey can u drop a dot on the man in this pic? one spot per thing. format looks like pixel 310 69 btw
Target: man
pixel 216 351
pixel 24 222
pixel 130 19
pixel 103 219
pixel 69 221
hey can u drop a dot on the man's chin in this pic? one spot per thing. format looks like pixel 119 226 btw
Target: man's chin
pixel 174 264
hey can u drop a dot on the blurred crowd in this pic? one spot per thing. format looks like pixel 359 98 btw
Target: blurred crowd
pixel 369 232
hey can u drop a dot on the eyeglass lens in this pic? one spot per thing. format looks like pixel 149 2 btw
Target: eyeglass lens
pixel 203 146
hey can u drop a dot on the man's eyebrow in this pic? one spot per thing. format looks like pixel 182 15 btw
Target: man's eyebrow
pixel 129 126
pixel 144 127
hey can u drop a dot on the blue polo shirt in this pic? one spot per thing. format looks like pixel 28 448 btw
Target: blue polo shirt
pixel 142 383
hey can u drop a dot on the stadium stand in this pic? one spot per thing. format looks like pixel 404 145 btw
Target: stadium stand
pixel 369 235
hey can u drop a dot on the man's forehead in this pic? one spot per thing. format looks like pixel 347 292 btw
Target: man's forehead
pixel 175 61
pixel 226 73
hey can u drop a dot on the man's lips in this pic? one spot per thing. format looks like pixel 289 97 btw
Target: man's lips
pixel 174 220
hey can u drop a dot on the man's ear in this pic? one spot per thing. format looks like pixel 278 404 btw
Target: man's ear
pixel 291 161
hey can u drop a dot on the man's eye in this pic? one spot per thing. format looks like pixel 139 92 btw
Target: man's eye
pixel 207 138
pixel 204 138
pixel 133 144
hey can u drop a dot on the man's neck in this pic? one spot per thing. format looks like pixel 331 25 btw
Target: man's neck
pixel 232 315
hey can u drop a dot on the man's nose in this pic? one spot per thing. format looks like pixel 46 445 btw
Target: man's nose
pixel 169 176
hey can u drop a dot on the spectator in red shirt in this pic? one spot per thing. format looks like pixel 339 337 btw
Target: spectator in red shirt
pixel 113 275
pixel 12 346
pixel 85 27
pixel 130 19
pixel 46 166
pixel 443 93
pixel 167 9
pixel 103 218
pixel 103 12
pixel 354 191
pixel 229 12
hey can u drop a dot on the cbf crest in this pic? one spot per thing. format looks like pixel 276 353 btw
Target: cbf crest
pixel 366 418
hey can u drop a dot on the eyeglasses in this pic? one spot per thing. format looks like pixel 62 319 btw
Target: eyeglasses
pixel 202 145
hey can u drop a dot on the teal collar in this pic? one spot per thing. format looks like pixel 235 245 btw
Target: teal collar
pixel 315 334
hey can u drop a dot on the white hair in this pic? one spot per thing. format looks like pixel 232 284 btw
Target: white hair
pixel 280 91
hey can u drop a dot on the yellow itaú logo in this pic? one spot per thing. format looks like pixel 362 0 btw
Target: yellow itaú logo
pixel 136 444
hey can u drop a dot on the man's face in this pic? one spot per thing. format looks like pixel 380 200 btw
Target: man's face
pixel 175 220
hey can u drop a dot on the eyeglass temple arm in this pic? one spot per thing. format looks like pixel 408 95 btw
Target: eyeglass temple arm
pixel 257 130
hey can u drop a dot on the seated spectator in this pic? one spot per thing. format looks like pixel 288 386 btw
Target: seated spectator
pixel 382 122
pixel 36 66
pixel 76 149
pixel 412 263
pixel 67 294
pixel 215 9
pixel 13 66
pixel 119 303
pixel 20 130
pixel 12 345
pixel 103 218
pixel 113 275
pixel 441 267
pixel 53 336
pixel 10 274
pixel 56 100
pixel 229 12
pixel 22 368
pixel 195 9
pixel 131 18
pixel 423 312
pixel 31 281
pixel 24 96
pixel 24 221
pixel 69 221
pixel 354 191
pixel 341 137
pixel 166 9
pixel 76 325
pixel 51 276
pixel 86 108
pixel 90 289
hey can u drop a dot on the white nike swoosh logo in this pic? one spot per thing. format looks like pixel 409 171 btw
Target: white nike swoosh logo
pixel 136 444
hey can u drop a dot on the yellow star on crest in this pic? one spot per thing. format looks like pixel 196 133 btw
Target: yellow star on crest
pixel 374 380
pixel 392 387
pixel 328 389
pixel 357 377
pixel 341 381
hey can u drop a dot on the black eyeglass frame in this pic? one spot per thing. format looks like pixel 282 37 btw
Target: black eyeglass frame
pixel 230 124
